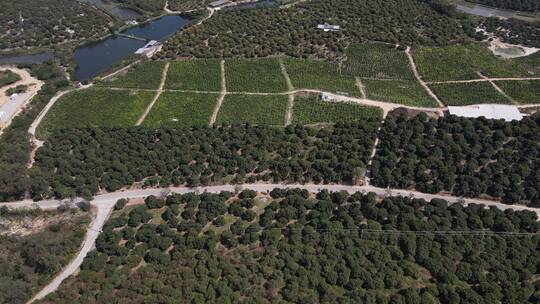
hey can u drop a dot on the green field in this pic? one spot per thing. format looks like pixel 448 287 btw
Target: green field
pixel 197 75
pixel 320 75
pixel 255 109
pixel 7 77
pixel 146 75
pixel 459 94
pixel 522 91
pixel 311 110
pixel 254 75
pixel 377 60
pixel 406 92
pixel 461 62
pixel 96 107
pixel 181 109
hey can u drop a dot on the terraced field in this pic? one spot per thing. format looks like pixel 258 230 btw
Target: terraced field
pixel 146 75
pixel 254 75
pixel 406 92
pixel 310 110
pixel 522 91
pixel 197 75
pixel 461 62
pixel 255 109
pixel 320 75
pixel 95 107
pixel 459 94
pixel 174 109
pixel 377 60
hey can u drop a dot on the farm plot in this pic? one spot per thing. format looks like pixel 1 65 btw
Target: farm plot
pixel 256 109
pixel 403 92
pixel 522 91
pixel 96 107
pixel 196 75
pixel 181 109
pixel 311 110
pixel 146 75
pixel 320 75
pixel 377 60
pixel 254 75
pixel 461 62
pixel 459 94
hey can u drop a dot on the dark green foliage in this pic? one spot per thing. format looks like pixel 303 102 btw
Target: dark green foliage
pixel 515 31
pixel 120 204
pixel 15 143
pixel 468 157
pixel 87 160
pixel 35 23
pixel 30 261
pixel 326 250
pixel 293 31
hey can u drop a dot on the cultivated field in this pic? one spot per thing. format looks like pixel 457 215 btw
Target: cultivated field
pixel 407 92
pixel 95 107
pixel 377 60
pixel 320 75
pixel 462 62
pixel 459 94
pixel 311 110
pixel 522 91
pixel 181 109
pixel 254 75
pixel 197 75
pixel 146 75
pixel 269 110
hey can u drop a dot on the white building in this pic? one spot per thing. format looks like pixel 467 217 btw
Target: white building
pixel 490 111
pixel 219 4
pixel 151 48
pixel 329 27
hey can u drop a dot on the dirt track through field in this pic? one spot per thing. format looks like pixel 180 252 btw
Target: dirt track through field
pixel 497 88
pixel 290 96
pixel 361 87
pixel 156 97
pixel 485 79
pixel 419 78
pixel 222 94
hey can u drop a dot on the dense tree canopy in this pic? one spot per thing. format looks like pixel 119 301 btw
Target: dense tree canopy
pixel 337 248
pixel 33 23
pixel 77 162
pixel 514 31
pixel 293 31
pixel 469 157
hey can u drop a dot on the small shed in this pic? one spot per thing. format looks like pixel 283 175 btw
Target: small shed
pixel 329 27
pixel 490 111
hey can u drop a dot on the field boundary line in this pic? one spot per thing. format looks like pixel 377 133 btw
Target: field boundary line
pixel 290 96
pixel 222 94
pixel 497 88
pixel 419 78
pixel 156 97
pixel 120 70
pixel 361 87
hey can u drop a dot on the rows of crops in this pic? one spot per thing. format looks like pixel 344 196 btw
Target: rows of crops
pixel 406 92
pixel 181 110
pixel 320 75
pixel 96 107
pixel 255 109
pixel 197 75
pixel 461 62
pixel 522 91
pixel 311 110
pixel 146 75
pixel 459 94
pixel 377 60
pixel 254 75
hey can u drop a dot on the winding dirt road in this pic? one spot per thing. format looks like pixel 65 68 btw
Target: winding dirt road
pixel 105 203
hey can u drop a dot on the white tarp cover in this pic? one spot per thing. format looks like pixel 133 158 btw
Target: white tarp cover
pixel 490 111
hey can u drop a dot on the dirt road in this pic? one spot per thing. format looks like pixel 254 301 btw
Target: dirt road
pixel 156 96
pixel 222 94
pixel 419 78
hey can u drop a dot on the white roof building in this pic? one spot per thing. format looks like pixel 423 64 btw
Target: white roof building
pixel 490 111
pixel 329 27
